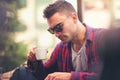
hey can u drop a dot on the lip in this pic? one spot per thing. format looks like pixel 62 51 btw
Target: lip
pixel 62 38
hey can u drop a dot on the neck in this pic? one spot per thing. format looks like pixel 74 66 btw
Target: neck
pixel 77 47
pixel 79 38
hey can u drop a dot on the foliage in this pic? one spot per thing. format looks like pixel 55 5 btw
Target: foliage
pixel 12 54
pixel 13 57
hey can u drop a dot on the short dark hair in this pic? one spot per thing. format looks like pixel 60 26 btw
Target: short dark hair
pixel 61 6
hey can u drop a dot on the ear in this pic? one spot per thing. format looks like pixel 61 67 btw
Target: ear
pixel 74 16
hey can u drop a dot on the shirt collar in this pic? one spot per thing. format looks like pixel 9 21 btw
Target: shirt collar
pixel 89 33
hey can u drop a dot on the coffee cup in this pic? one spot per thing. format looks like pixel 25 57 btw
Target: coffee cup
pixel 41 53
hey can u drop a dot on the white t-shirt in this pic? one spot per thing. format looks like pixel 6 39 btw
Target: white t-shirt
pixel 79 59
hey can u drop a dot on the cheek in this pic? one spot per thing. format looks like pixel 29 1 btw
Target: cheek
pixel 68 32
pixel 69 27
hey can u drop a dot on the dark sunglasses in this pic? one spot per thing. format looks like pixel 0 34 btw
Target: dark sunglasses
pixel 57 28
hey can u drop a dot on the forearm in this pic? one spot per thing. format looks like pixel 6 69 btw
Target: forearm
pixel 37 68
pixel 84 76
pixel 41 70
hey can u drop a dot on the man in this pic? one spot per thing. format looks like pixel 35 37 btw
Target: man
pixel 76 57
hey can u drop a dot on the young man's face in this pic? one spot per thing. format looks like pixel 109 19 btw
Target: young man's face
pixel 62 26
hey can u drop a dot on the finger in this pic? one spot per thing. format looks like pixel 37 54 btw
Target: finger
pixel 31 55
pixel 50 77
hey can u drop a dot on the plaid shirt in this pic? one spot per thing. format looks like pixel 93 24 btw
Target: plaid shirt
pixel 61 59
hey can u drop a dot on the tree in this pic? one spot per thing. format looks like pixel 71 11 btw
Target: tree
pixel 12 54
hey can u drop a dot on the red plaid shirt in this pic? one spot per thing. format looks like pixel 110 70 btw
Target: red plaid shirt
pixel 61 58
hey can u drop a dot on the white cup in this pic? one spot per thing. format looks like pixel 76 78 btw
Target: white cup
pixel 41 53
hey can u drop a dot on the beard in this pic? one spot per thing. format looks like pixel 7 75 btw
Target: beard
pixel 64 39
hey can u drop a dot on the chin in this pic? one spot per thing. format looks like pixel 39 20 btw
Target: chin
pixel 65 41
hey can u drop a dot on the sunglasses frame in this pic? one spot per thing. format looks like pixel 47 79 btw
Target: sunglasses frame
pixel 57 28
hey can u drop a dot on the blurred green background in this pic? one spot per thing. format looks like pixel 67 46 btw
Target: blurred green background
pixel 12 53
pixel 20 30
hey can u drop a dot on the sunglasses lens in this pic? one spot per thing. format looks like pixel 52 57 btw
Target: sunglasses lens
pixel 57 28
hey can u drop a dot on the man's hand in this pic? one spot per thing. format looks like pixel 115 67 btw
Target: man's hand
pixel 31 55
pixel 59 76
